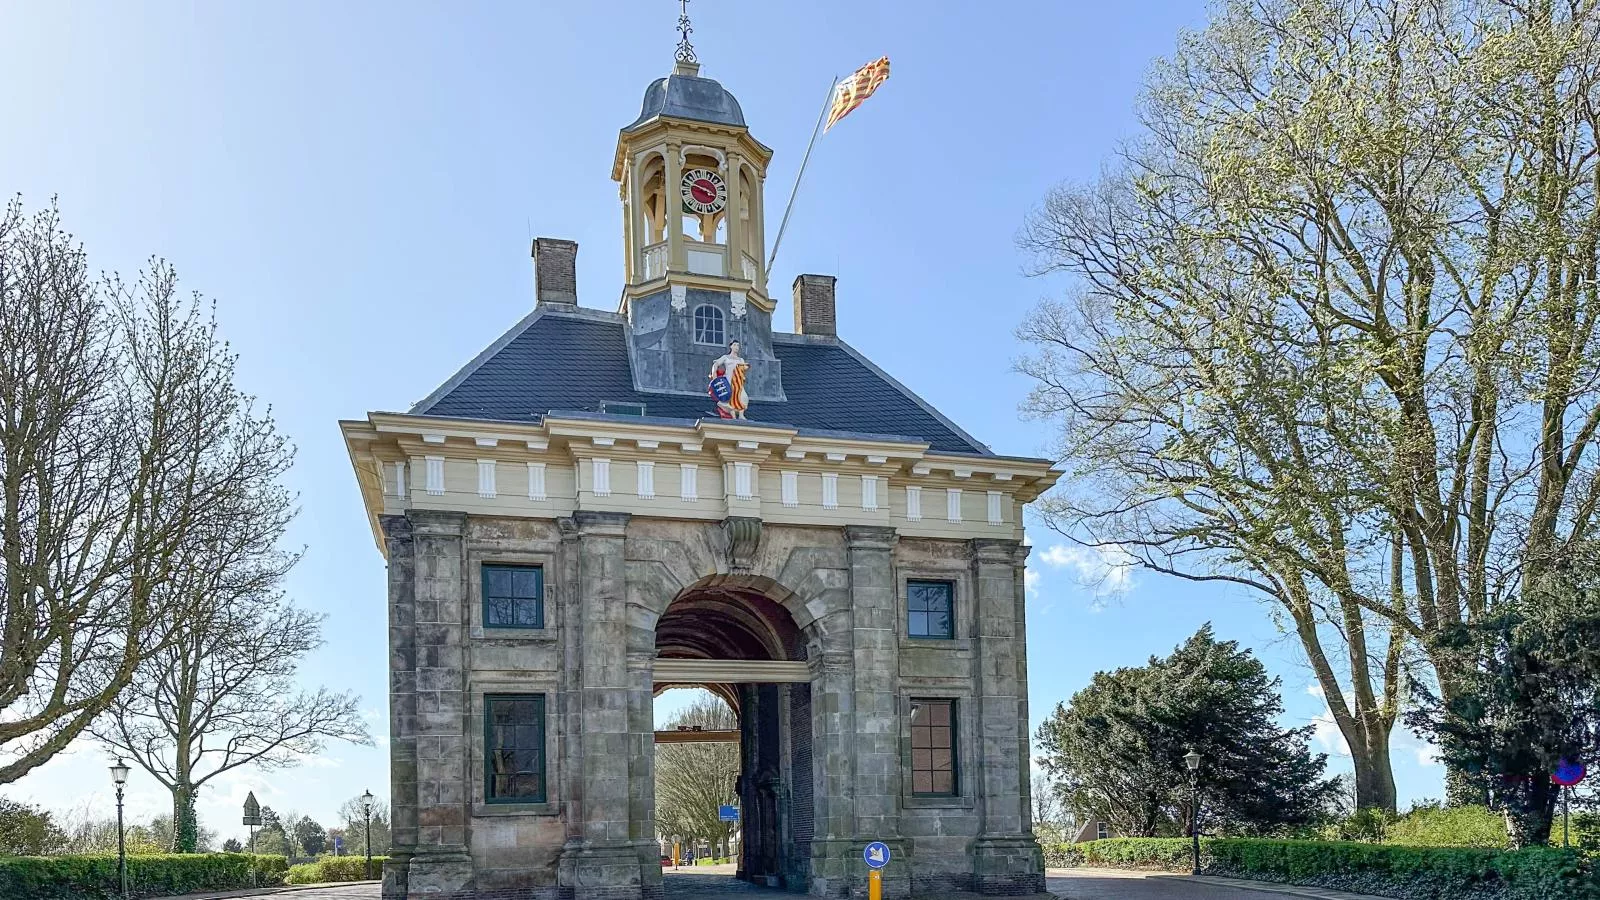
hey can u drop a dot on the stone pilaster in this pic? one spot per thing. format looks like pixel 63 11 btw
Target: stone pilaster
pixel 874 607
pixel 441 863
pixel 1006 858
pixel 604 861
pixel 399 549
pixel 831 660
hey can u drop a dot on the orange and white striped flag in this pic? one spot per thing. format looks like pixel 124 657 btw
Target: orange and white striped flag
pixel 858 87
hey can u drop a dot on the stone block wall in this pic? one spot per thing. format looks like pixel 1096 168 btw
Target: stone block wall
pixel 607 579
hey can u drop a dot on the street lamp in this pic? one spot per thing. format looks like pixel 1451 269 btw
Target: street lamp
pixel 366 813
pixel 119 774
pixel 1192 760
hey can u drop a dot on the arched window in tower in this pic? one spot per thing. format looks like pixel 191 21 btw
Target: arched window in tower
pixel 708 325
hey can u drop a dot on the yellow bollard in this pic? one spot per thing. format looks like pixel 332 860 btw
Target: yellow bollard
pixel 875 884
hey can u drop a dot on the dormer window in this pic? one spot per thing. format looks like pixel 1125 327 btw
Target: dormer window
pixel 708 325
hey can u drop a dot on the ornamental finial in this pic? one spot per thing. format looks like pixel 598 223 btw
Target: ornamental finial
pixel 685 52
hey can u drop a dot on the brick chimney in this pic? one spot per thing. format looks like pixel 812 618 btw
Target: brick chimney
pixel 813 306
pixel 555 271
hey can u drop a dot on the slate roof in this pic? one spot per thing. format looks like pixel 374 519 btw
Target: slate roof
pixel 573 361
pixel 689 97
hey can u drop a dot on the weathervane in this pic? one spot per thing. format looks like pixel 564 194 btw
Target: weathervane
pixel 685 52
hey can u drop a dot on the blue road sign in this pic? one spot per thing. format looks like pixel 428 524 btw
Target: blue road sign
pixel 728 813
pixel 877 854
pixel 1568 774
pixel 338 845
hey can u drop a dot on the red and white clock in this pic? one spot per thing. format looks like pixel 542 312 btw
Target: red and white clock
pixel 704 191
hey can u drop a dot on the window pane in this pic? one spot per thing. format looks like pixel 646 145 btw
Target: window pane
pixel 933 754
pixel 934 600
pixel 513 596
pixel 496 581
pixel 515 756
pixel 917 624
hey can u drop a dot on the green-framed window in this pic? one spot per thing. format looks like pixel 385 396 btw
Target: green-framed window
pixel 933 748
pixel 513 742
pixel 930 609
pixel 513 596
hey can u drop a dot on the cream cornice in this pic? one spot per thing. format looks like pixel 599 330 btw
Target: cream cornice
pixel 704 282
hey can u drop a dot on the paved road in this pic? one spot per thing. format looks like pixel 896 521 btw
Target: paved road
pixel 1071 884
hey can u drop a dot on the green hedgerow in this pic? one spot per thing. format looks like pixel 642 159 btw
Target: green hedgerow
pixel 1385 870
pixel 94 876
pixel 334 868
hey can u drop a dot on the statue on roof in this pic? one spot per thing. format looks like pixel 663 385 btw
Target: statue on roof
pixel 727 376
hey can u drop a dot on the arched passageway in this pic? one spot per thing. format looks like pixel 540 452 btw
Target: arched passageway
pixel 741 625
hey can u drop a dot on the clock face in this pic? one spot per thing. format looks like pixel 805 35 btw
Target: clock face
pixel 704 191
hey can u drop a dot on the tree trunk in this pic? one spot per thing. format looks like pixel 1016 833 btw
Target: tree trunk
pixel 1532 815
pixel 1374 775
pixel 185 826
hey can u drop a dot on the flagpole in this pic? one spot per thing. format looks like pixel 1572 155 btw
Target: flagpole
pixel 815 131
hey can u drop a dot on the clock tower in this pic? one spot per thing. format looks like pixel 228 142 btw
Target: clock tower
pixel 691 181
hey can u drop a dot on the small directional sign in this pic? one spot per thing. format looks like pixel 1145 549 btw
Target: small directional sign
pixel 338 846
pixel 728 813
pixel 877 854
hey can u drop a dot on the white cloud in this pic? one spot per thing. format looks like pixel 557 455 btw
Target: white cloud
pixel 1030 580
pixel 1326 734
pixel 1108 569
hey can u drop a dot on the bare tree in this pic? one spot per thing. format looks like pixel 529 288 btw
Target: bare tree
pixel 356 827
pixel 694 780
pixel 126 455
pixel 1334 335
pixel 223 694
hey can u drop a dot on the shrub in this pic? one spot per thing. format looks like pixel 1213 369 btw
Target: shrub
pixel 334 868
pixel 1461 826
pixel 94 876
pixel 1413 873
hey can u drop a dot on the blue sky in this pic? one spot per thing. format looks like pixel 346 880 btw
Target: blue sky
pixel 356 185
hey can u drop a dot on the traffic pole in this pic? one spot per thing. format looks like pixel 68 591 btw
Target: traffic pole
pixel 875 884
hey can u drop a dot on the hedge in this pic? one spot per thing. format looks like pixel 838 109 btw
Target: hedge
pixel 94 876
pixel 1411 873
pixel 334 868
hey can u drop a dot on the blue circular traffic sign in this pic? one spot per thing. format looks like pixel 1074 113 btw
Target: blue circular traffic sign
pixel 1568 774
pixel 876 854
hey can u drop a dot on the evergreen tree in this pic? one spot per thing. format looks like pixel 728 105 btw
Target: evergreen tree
pixel 1116 749
pixel 311 837
pixel 1532 701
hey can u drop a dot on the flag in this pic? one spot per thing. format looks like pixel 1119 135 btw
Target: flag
pixel 858 87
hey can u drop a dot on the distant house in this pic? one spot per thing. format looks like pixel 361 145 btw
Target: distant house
pixel 1093 830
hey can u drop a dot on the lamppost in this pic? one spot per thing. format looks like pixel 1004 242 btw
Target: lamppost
pixel 366 813
pixel 1192 760
pixel 119 774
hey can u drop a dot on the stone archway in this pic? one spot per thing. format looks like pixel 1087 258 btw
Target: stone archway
pixel 726 628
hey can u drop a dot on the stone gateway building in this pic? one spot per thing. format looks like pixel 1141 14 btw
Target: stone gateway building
pixel 603 505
